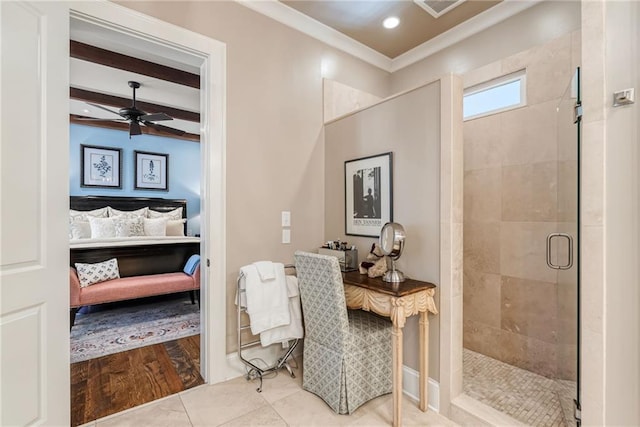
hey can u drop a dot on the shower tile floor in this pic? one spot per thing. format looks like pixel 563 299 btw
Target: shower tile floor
pixel 530 398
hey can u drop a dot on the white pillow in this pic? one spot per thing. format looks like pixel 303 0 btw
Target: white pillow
pixel 175 227
pixel 84 215
pixel 128 227
pixel 90 274
pixel 174 214
pixel 102 227
pixel 142 212
pixel 79 230
pixel 155 226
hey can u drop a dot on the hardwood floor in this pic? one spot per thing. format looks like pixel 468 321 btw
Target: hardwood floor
pixel 113 383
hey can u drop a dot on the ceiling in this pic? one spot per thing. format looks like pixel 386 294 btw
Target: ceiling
pixel 362 20
pixel 353 26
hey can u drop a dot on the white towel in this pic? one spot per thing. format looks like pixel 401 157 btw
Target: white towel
pixel 266 270
pixel 267 301
pixel 293 330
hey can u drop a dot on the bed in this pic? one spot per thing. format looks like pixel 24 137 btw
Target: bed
pixel 140 255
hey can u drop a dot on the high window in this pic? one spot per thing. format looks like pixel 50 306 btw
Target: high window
pixel 497 95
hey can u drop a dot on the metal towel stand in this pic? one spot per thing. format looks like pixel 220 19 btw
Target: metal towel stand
pixel 255 371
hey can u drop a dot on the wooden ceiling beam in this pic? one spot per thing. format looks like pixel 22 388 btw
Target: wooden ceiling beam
pixel 73 118
pixel 108 58
pixel 116 101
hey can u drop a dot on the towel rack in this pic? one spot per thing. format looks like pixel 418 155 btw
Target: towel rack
pixel 256 371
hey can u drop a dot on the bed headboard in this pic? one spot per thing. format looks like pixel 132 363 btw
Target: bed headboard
pixel 87 203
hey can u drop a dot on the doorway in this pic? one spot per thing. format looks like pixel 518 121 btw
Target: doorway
pixel 126 26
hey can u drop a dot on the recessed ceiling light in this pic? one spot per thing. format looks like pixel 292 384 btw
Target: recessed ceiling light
pixel 391 22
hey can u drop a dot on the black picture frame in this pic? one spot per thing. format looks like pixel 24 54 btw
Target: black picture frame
pixel 100 167
pixel 151 171
pixel 368 194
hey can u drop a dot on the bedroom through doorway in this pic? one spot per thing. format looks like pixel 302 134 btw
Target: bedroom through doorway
pixel 136 197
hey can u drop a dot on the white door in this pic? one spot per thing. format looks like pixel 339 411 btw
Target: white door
pixel 34 290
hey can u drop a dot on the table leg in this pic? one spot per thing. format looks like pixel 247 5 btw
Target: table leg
pixel 424 360
pixel 397 376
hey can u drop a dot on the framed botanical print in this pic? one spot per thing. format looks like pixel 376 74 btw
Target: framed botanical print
pixel 368 194
pixel 100 166
pixel 151 171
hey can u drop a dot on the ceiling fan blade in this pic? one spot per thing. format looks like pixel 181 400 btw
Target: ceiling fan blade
pixel 156 117
pixel 134 129
pixel 162 128
pixel 103 108
pixel 91 119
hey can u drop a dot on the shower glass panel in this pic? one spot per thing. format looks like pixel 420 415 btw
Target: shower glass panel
pixel 521 314
pixel 567 354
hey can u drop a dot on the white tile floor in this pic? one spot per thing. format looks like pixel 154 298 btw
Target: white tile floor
pixel 282 402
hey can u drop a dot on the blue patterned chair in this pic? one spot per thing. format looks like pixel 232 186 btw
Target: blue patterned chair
pixel 347 353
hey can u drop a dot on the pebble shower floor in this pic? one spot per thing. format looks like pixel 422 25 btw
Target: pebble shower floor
pixel 529 398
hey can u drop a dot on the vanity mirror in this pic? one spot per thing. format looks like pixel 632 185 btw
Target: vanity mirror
pixel 391 244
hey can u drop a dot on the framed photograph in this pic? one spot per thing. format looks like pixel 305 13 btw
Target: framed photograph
pixel 100 166
pixel 152 171
pixel 368 194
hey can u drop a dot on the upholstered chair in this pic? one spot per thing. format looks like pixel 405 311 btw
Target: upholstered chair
pixel 347 357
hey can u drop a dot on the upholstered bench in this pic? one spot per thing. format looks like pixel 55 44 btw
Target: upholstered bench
pixel 126 288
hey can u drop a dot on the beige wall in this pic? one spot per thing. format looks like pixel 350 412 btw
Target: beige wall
pixel 409 126
pixel 274 151
pixel 520 168
pixel 535 26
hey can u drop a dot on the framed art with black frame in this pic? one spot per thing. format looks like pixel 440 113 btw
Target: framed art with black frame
pixel 368 194
pixel 100 166
pixel 151 171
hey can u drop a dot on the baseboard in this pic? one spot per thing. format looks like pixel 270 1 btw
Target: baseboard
pixel 411 388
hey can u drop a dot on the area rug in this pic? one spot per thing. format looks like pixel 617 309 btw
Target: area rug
pixel 102 331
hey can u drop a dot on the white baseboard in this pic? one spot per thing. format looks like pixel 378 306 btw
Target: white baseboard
pixel 410 377
pixel 411 387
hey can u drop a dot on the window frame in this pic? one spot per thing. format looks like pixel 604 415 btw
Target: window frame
pixel 520 75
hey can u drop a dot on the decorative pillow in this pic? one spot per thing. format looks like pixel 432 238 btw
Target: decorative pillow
pixel 192 264
pixel 174 214
pixel 90 274
pixel 102 227
pixel 142 212
pixel 175 227
pixel 155 226
pixel 85 215
pixel 128 227
pixel 79 230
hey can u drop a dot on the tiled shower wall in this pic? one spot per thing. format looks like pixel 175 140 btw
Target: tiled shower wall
pixel 516 309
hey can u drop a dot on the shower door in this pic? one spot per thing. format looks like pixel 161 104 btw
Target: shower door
pixel 563 252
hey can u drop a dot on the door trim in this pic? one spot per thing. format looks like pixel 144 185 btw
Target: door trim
pixel 212 57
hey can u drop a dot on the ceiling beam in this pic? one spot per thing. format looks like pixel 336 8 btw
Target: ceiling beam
pixel 97 55
pixel 75 119
pixel 116 101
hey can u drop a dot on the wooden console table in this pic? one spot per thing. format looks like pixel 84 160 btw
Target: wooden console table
pixel 396 301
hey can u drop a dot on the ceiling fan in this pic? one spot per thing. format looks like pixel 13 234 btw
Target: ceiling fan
pixel 137 117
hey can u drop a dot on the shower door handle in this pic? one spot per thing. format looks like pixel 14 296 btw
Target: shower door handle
pixel 569 263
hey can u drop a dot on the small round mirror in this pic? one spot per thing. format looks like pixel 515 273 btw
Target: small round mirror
pixel 391 244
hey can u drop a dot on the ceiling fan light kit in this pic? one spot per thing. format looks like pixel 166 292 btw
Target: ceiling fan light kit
pixel 136 117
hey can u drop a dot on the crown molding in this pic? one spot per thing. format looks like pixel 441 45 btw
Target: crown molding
pixel 478 23
pixel 309 26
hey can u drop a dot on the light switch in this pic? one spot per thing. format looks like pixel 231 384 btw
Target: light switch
pixel 286 235
pixel 286 219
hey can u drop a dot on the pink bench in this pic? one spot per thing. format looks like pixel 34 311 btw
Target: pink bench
pixel 126 288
